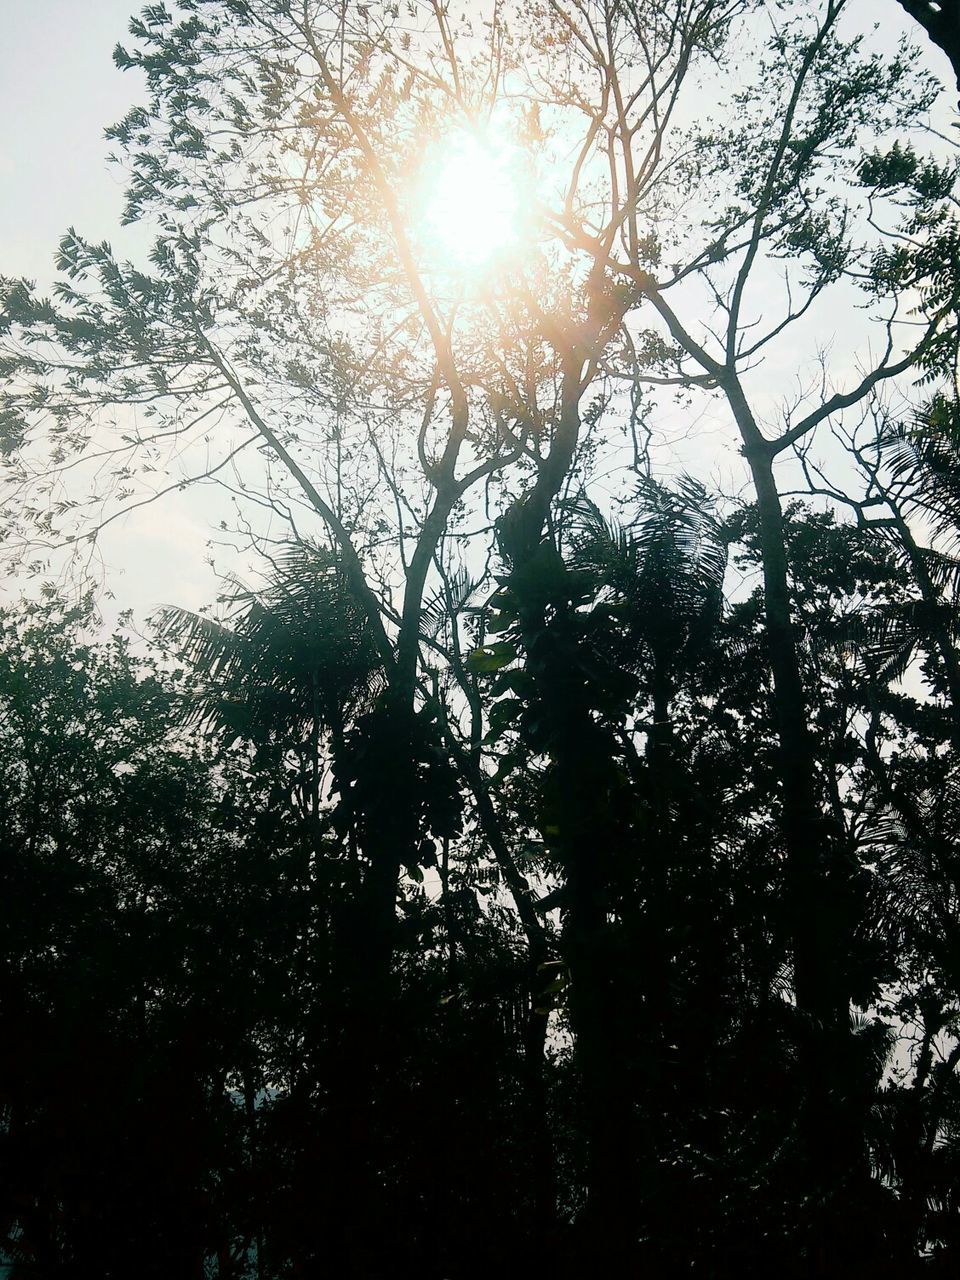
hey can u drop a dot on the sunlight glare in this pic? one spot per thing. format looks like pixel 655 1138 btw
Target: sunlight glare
pixel 471 204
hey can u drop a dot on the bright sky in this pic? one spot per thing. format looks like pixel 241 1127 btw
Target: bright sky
pixel 58 91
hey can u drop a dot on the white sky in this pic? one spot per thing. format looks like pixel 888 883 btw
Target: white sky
pixel 59 89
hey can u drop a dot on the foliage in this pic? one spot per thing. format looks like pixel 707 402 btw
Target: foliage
pixel 547 865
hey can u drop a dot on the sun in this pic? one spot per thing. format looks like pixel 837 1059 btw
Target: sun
pixel 471 211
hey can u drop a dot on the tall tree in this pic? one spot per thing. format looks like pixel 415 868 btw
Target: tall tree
pixel 430 413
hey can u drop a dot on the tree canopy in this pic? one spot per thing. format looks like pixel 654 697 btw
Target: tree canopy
pixel 565 776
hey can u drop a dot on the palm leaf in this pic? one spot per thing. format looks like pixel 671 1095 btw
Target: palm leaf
pixel 296 652
pixel 924 457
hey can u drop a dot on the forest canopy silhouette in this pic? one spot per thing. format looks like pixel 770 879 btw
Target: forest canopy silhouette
pixel 542 858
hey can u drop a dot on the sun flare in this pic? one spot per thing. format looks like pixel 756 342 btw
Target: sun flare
pixel 472 211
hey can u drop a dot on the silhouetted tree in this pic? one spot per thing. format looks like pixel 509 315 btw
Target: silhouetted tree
pixel 516 875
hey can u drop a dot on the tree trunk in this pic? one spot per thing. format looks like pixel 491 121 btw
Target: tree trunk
pixel 812 880
pixel 942 24
pixel 580 827
pixel 833 1171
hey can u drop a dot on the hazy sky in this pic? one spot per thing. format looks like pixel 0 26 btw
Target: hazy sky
pixel 59 89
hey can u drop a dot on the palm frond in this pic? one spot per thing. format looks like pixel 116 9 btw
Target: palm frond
pixel 297 651
pixel 923 456
pixel 447 601
pixel 666 566
pixel 944 569
pixel 887 639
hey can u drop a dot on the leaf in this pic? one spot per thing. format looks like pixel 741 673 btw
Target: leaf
pixel 491 657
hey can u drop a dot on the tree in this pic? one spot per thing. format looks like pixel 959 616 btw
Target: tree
pixel 117 853
pixel 292 309
pixel 941 23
